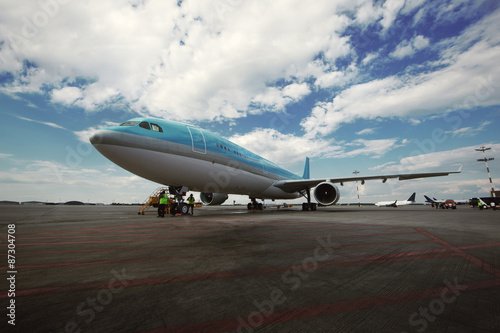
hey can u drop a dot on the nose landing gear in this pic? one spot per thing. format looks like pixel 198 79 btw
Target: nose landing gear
pixel 179 207
pixel 254 205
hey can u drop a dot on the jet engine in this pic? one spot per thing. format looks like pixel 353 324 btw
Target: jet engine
pixel 212 199
pixel 326 194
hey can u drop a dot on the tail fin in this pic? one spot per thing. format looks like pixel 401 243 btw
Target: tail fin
pixel 306 169
pixel 412 197
pixel 428 199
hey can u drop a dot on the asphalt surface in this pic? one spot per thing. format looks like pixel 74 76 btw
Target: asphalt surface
pixel 339 269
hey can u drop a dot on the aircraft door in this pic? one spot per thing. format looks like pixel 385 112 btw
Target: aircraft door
pixel 197 140
pixel 264 166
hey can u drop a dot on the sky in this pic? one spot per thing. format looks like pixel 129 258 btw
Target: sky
pixel 379 87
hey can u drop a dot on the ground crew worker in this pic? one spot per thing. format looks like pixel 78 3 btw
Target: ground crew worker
pixel 480 205
pixel 190 201
pixel 163 202
pixel 493 205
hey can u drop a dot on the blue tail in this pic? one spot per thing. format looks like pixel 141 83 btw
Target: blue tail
pixel 412 197
pixel 429 199
pixel 306 170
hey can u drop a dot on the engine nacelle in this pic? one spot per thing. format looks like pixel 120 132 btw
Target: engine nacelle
pixel 326 194
pixel 212 199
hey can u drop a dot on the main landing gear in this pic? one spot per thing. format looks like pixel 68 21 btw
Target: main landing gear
pixel 254 205
pixel 308 205
pixel 178 207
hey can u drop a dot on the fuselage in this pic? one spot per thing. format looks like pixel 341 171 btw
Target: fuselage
pixel 177 154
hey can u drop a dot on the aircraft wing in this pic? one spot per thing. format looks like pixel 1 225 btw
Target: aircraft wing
pixel 304 184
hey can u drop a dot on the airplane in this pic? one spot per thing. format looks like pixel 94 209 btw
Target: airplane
pixel 186 157
pixel 397 203
pixel 440 202
pixel 434 201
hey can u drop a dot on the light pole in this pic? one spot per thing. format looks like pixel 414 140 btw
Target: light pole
pixel 357 189
pixel 485 160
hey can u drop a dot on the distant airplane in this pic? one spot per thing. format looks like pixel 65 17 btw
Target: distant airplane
pixel 442 201
pixel 397 203
pixel 434 200
pixel 186 157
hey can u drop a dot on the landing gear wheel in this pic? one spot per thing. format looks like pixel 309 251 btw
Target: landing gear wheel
pixel 314 206
pixel 249 206
pixel 183 209
pixel 260 206
pixel 305 206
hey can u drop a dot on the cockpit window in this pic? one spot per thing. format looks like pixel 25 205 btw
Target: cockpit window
pixel 145 125
pixel 129 123
pixel 156 128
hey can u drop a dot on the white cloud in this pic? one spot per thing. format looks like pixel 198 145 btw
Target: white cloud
pixel 403 50
pixel 53 181
pixel 366 131
pixel 337 78
pixel 409 48
pixel 420 42
pixel 369 58
pixel 375 148
pixel 390 10
pixel 442 160
pixel 289 150
pixel 200 60
pixel 384 14
pixel 411 5
pixel 66 95
pixel 285 149
pixel 467 82
pixel 296 91
pixel 414 121
pixel 469 131
pixel 42 122
pixel 276 99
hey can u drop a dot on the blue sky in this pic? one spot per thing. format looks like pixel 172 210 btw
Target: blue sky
pixel 375 86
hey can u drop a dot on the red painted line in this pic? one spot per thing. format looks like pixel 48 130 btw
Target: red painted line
pixel 281 316
pixel 349 236
pixel 398 257
pixel 153 228
pixel 468 247
pixel 245 222
pixel 194 232
pixel 176 238
pixel 99 250
pixel 98 241
pixel 476 261
pixel 176 246
pixel 173 246
pixel 103 262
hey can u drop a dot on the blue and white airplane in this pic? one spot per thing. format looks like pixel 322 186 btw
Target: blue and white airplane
pixel 186 157
pixel 397 203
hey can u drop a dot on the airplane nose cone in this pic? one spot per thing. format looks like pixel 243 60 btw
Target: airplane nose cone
pixel 96 138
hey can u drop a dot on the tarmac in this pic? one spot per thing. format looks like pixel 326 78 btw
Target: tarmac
pixel 338 269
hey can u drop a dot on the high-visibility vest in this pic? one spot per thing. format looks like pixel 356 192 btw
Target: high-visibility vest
pixel 164 199
pixel 190 200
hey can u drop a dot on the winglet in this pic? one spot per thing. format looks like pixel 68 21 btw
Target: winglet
pixel 306 169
